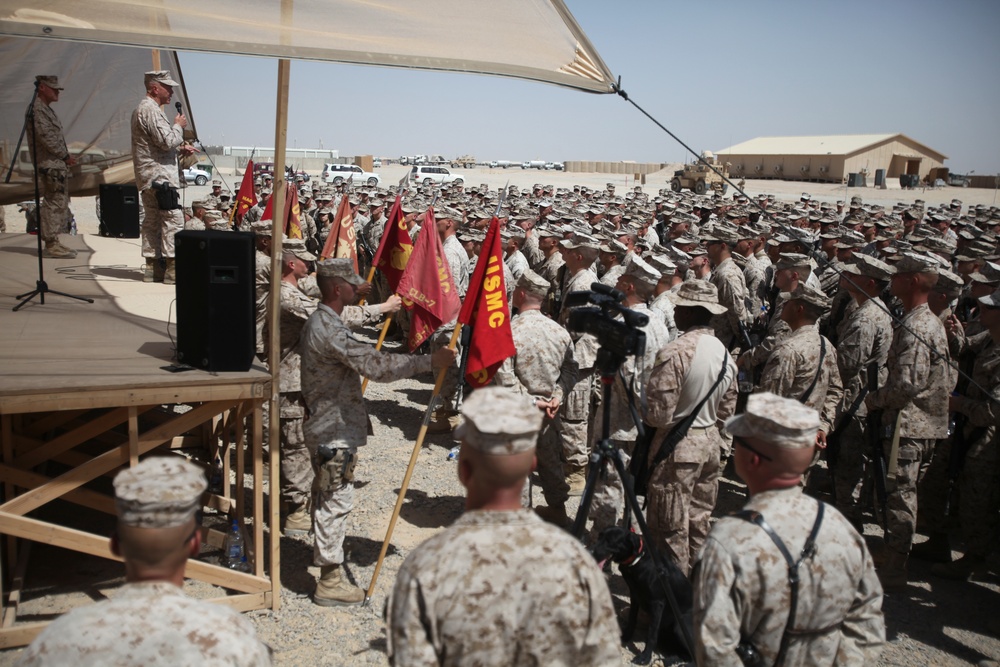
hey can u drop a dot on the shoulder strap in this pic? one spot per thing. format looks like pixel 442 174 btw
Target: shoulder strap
pixel 808 551
pixel 819 370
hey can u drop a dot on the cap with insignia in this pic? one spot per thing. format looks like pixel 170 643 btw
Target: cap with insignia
pixel 782 422
pixel 159 492
pixel 499 422
pixel 340 267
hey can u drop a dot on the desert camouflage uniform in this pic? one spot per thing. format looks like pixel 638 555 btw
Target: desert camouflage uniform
pixel 663 305
pixel 732 286
pixel 742 590
pixel 517 263
pixel 549 267
pixel 333 362
pixel 53 172
pixel 865 337
pixel 458 262
pixel 575 412
pixel 919 381
pixel 262 287
pixel 611 276
pixel 829 277
pixel 794 365
pixel 152 624
pixel 532 252
pixel 683 489
pixel 755 273
pixel 979 480
pixel 452 603
pixel 609 494
pixel 777 331
pixel 543 367
pixel 296 462
pixel 154 154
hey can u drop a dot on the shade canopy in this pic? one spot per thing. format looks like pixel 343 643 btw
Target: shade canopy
pixel 528 39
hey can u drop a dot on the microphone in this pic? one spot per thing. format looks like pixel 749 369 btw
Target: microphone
pixel 180 109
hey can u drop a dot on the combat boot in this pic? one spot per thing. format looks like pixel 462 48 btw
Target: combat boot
pixel 937 549
pixel 56 250
pixel 554 514
pixel 961 569
pixel 149 271
pixel 332 590
pixel 577 480
pixel 893 573
pixel 444 421
pixel 299 522
pixel 170 273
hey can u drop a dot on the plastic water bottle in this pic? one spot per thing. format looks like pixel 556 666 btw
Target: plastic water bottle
pixel 234 549
pixel 453 454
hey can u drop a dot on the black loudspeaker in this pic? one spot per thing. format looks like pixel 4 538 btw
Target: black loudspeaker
pixel 215 300
pixel 119 211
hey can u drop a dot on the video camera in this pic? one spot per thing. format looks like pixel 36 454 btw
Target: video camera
pixel 617 338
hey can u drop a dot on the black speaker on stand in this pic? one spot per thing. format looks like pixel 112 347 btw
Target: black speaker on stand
pixel 215 300
pixel 119 211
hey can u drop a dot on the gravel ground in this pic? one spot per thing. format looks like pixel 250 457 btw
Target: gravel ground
pixel 935 622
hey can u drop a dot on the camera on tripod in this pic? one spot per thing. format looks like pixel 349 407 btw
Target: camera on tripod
pixel 618 338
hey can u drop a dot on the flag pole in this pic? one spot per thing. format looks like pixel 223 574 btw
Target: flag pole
pixel 378 346
pixel 409 468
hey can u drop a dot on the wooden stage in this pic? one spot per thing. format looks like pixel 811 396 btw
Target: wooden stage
pixel 83 393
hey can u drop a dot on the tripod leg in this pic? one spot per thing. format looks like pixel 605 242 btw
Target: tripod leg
pixel 70 296
pixel 597 461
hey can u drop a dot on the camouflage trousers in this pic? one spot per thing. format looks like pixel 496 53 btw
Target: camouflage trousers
pixel 575 417
pixel 158 227
pixel 296 461
pixel 330 509
pixel 608 505
pixel 682 495
pixel 849 474
pixel 914 459
pixel 452 385
pixel 551 475
pixel 55 202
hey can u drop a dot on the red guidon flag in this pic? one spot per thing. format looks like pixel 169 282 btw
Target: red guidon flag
pixel 290 225
pixel 395 248
pixel 342 241
pixel 486 311
pixel 246 198
pixel 426 287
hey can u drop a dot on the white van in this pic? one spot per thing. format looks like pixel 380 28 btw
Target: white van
pixel 427 174
pixel 338 173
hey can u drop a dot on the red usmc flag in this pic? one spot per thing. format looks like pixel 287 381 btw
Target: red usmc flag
pixel 246 198
pixel 395 248
pixel 342 241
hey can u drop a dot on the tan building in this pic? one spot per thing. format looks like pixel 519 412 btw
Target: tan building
pixel 830 158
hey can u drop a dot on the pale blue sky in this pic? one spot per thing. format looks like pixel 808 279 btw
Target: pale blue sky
pixel 716 73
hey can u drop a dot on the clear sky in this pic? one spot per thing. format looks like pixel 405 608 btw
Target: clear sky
pixel 715 73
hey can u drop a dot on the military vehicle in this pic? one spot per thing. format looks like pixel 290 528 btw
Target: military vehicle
pixel 699 178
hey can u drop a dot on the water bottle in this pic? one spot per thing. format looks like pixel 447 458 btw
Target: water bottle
pixel 233 549
pixel 453 454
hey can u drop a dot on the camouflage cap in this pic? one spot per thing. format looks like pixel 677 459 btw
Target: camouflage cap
pixel 948 283
pixel 640 270
pixel 49 80
pixel 161 76
pixel 616 247
pixel 578 240
pixel 261 228
pixel 447 213
pixel 499 422
pixel 911 262
pixel 532 283
pixel 298 248
pixel 870 267
pixel 340 267
pixel 699 293
pixel 792 260
pixel 991 300
pixel 782 422
pixel 159 492
pixel 811 295
pixel 663 264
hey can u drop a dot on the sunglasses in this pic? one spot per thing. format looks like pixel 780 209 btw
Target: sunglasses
pixel 746 445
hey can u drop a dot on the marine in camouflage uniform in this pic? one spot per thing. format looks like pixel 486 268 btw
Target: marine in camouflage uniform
pixel 332 363
pixel 150 621
pixel 741 580
pixel 731 285
pixel 463 597
pixel 683 489
pixel 543 368
pixel 915 405
pixel 48 145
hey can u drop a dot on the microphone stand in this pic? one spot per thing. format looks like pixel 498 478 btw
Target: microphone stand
pixel 41 287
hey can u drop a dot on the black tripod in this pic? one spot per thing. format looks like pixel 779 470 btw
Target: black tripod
pixel 41 287
pixel 608 365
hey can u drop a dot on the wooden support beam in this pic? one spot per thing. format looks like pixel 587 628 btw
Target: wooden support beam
pixel 16 585
pixel 71 439
pixel 21 635
pixel 52 420
pixel 84 497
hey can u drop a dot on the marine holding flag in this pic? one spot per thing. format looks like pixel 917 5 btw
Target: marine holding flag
pixel 333 362
pixel 246 198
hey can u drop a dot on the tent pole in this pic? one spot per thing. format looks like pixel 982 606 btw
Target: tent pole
pixel 274 312
pixel 156 59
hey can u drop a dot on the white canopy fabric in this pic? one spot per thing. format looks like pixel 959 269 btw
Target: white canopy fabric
pixel 527 39
pixel 103 84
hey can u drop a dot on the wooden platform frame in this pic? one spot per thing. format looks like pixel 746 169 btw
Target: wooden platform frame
pixel 220 408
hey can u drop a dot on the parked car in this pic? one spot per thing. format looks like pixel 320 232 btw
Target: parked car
pixel 338 173
pixel 557 166
pixel 377 163
pixel 958 180
pixel 196 176
pixel 427 174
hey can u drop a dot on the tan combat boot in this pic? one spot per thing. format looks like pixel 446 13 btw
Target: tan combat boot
pixel 170 273
pixel 299 522
pixel 332 590
pixel 577 480
pixel 56 250
pixel 149 271
pixel 893 573
pixel 444 421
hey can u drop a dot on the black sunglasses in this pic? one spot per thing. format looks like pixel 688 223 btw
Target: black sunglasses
pixel 743 443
